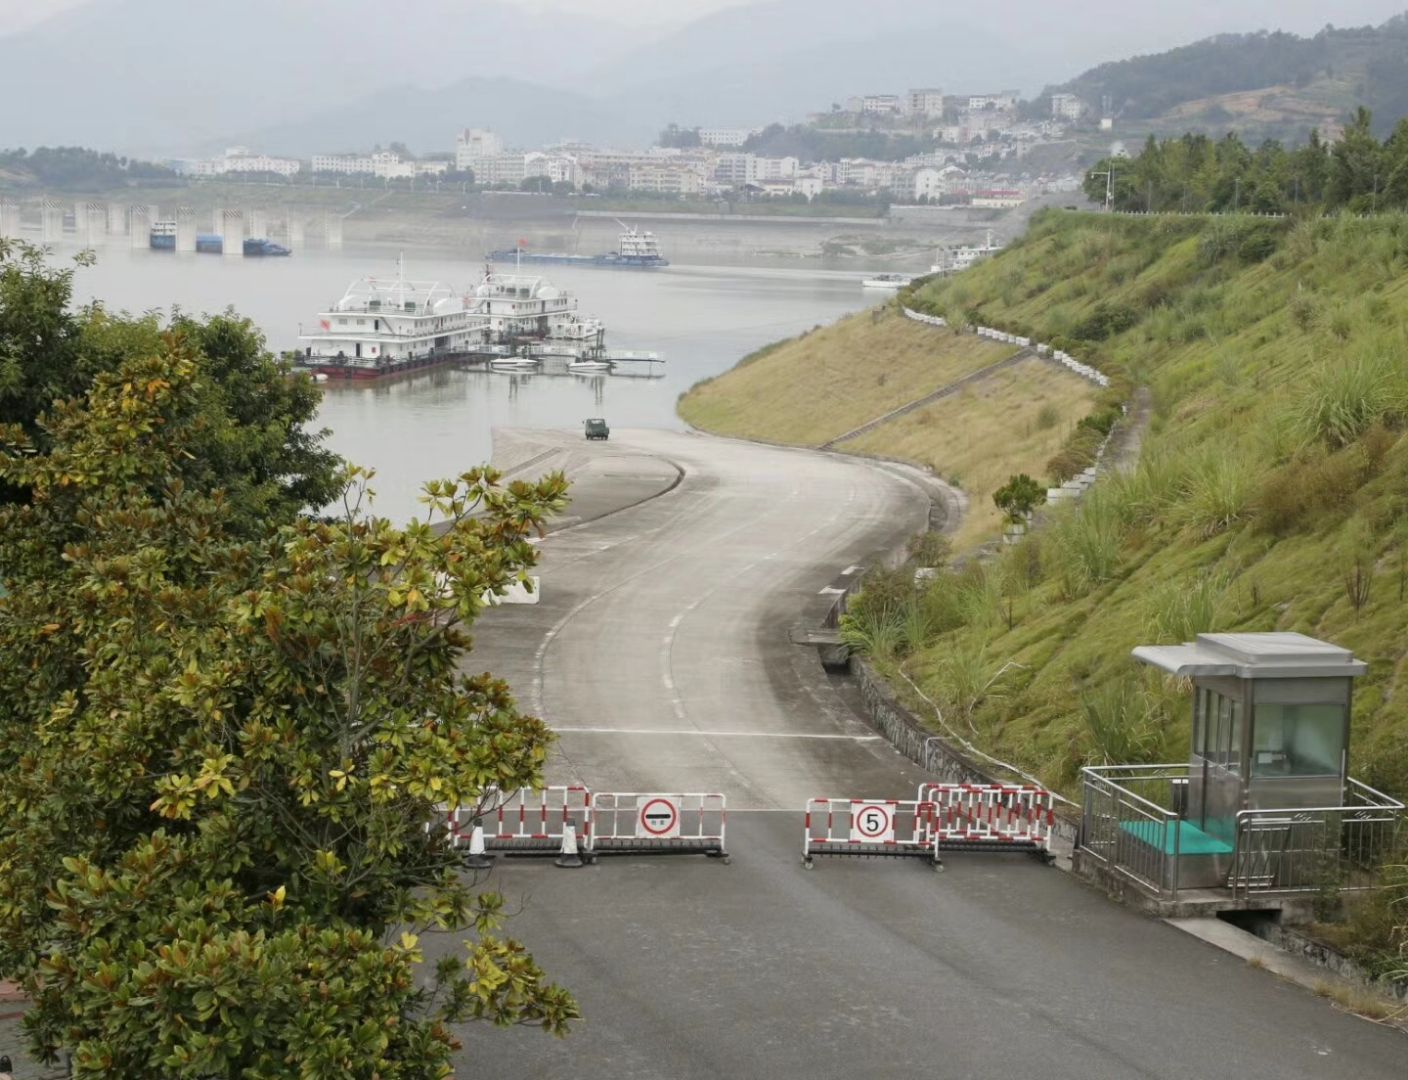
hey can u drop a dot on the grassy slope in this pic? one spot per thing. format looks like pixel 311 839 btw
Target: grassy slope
pixel 831 381
pixel 1026 411
pixel 1240 516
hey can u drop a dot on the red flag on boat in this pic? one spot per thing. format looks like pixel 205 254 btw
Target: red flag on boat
pixel 522 243
pixel 325 324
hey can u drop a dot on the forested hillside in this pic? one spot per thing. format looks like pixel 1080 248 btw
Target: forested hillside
pixel 1194 173
pixel 1339 67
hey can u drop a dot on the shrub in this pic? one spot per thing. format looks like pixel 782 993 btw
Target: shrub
pixel 1077 455
pixel 1047 417
pixel 1105 321
pixel 929 549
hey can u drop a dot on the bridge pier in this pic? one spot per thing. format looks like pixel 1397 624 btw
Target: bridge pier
pixel 230 225
pixel 9 219
pixel 51 221
pixel 139 225
pixel 332 231
pixel 293 233
pixel 185 229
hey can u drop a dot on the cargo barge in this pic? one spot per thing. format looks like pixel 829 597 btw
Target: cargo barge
pixel 634 251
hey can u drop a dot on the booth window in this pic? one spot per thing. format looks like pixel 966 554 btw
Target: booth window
pixel 1298 740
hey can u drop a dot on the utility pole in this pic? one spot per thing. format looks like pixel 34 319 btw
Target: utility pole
pixel 1236 194
pixel 1109 175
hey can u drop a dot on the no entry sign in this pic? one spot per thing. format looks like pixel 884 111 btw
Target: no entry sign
pixel 873 822
pixel 659 818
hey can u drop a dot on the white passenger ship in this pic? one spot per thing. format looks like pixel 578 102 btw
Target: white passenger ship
pixel 523 307
pixel 381 327
pixel 384 327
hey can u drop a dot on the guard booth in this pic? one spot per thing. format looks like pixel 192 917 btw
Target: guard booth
pixel 1265 801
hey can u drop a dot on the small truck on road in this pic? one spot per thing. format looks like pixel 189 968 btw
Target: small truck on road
pixel 597 429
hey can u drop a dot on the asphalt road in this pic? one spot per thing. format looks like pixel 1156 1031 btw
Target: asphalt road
pixel 660 653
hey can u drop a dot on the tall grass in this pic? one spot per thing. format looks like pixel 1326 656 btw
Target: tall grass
pixel 1216 492
pixel 1085 543
pixel 1123 722
pixel 1343 399
pixel 1181 610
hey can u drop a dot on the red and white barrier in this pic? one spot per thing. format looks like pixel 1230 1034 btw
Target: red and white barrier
pixel 627 822
pixel 528 820
pixel 894 827
pixel 523 821
pixel 991 817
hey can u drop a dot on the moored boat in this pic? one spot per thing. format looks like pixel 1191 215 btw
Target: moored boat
pixel 886 281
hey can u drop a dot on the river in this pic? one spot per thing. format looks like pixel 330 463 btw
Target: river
pixel 438 423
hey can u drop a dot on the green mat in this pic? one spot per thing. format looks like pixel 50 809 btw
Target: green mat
pixel 1191 839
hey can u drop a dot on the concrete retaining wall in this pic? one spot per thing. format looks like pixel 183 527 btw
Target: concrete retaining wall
pixel 931 752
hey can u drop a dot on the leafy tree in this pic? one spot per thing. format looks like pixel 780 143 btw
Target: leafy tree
pixel 1019 497
pixel 222 752
pixel 1357 165
pixel 248 435
pixel 680 138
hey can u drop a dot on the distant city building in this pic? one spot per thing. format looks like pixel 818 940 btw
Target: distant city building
pixel 558 168
pixel 1066 107
pixel 383 164
pixel 998 200
pixel 237 159
pixel 1007 99
pixel 472 143
pixel 1107 123
pixel 881 104
pixel 725 136
pixel 925 102
pixel 665 179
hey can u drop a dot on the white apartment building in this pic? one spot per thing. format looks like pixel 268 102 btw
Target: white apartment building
pixel 498 170
pixel 557 168
pixel 474 143
pixel 925 102
pixel 383 164
pixel 1066 107
pixel 736 170
pixel 665 179
pixel 1006 99
pixel 238 159
pixel 725 136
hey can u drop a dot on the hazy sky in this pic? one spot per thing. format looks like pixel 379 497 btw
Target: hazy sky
pixel 17 14
pixel 1302 15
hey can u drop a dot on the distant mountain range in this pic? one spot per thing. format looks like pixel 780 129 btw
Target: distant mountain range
pixel 304 76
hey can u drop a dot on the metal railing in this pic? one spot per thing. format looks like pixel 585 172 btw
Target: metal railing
pixel 1336 848
pixel 1129 823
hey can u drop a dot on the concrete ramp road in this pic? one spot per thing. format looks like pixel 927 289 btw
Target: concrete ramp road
pixel 660 653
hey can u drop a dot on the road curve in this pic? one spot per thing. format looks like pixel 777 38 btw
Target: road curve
pixel 660 653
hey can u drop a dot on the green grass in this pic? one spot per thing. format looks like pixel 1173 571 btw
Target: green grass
pixel 831 381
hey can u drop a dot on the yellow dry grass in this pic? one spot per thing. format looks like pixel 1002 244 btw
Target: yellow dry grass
pixel 985 433
pixel 833 380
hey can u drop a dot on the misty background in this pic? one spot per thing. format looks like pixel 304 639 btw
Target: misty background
pixel 157 77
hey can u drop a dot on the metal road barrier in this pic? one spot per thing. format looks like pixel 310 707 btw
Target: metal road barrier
pixel 991 817
pixel 641 823
pixel 870 827
pixel 524 821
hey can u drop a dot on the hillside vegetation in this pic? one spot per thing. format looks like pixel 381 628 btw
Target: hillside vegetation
pixel 814 388
pixel 1335 70
pixel 1272 492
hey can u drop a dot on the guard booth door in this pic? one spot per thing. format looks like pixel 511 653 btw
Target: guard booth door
pixel 1218 761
